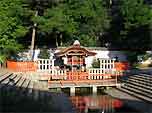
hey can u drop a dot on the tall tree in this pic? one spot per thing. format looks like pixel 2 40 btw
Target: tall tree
pixel 12 26
pixel 137 18
pixel 75 19
pixel 136 13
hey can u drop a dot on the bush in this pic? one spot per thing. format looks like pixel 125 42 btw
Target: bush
pixel 44 54
pixel 96 63
pixel 2 58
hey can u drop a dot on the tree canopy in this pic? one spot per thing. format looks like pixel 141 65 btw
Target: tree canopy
pixel 137 18
pixel 12 17
pixel 135 13
pixel 75 19
pixel 125 24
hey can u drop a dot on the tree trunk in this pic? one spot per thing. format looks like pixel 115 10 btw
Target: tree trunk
pixel 56 40
pixel 150 36
pixel 61 42
pixel 110 2
pixel 33 38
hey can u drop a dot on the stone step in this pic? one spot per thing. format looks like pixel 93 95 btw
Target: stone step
pixel 141 79
pixel 8 79
pixel 5 76
pixel 144 91
pixel 30 89
pixel 25 86
pixel 13 82
pixel 136 95
pixel 41 91
pixel 26 83
pixel 140 83
pixel 132 89
pixel 16 79
pixel 36 90
pixel 3 72
pixel 146 75
pixel 20 83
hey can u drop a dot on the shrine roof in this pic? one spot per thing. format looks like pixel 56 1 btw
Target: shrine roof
pixel 75 49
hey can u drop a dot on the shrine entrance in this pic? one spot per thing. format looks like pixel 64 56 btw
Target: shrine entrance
pixel 74 57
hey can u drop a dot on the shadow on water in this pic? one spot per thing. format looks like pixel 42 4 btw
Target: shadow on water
pixel 20 100
pixel 17 99
pixel 86 102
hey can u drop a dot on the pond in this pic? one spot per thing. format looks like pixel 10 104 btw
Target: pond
pixel 61 102
pixel 86 102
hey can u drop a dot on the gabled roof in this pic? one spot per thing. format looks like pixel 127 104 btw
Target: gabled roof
pixel 75 49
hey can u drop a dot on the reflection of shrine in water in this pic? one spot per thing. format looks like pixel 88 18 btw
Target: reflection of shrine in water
pixel 101 103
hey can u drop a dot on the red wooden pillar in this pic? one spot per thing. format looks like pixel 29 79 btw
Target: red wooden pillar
pixel 72 64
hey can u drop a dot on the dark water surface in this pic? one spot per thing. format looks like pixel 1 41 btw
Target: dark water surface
pixel 83 102
pixel 86 102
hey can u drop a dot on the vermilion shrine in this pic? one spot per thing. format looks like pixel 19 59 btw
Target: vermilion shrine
pixel 73 72
pixel 74 56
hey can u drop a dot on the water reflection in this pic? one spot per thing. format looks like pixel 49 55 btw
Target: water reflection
pixel 87 102
pixel 95 103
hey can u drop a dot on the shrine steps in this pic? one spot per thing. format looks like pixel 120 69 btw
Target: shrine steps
pixel 138 85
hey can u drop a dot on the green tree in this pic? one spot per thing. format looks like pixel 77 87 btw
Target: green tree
pixel 12 17
pixel 135 13
pixel 44 54
pixel 137 18
pixel 96 63
pixel 74 19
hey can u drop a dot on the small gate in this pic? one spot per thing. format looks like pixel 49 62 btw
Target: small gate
pixel 45 65
pixel 107 65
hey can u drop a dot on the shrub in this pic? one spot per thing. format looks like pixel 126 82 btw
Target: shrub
pixel 96 63
pixel 44 54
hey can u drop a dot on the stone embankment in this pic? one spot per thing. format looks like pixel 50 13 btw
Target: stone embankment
pixel 19 93
pixel 136 91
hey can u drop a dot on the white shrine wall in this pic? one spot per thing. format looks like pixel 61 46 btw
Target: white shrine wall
pixel 101 53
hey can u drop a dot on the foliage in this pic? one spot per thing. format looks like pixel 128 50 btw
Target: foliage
pixel 84 20
pixel 147 56
pixel 96 63
pixel 137 18
pixel 87 41
pixel 132 56
pixel 2 59
pixel 130 28
pixel 44 54
pixel 136 13
pixel 12 15
pixel 75 18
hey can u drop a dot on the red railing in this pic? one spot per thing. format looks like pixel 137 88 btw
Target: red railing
pixel 82 77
